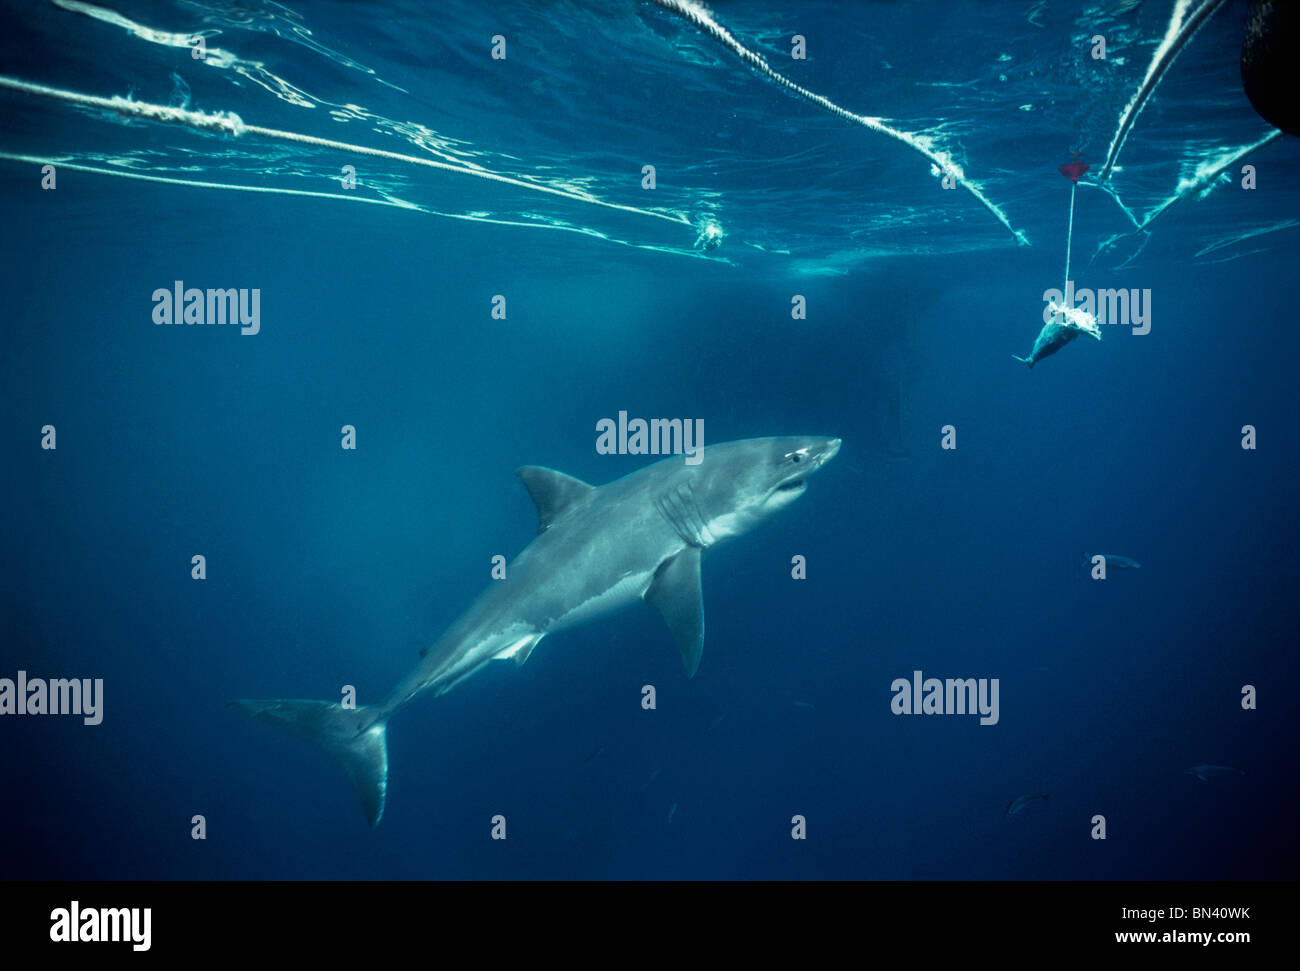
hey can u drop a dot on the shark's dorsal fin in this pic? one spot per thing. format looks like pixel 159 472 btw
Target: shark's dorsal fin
pixel 553 492
pixel 675 591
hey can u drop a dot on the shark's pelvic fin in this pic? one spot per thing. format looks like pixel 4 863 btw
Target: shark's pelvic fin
pixel 553 492
pixel 675 591
pixel 353 736
pixel 521 648
pixel 521 655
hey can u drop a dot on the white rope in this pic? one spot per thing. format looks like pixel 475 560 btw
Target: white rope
pixel 1176 37
pixel 1207 173
pixel 229 123
pixel 700 18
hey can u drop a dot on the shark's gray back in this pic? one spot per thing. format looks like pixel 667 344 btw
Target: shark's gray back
pixel 599 555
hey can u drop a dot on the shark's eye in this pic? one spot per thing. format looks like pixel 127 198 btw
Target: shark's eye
pixel 796 457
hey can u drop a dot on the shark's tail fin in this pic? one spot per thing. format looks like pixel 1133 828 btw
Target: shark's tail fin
pixel 354 736
pixel 1024 360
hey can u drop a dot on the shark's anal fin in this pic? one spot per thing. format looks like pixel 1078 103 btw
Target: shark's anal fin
pixel 675 591
pixel 553 492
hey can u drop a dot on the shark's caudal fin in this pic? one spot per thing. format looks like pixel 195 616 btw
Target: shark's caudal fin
pixel 357 741
pixel 1024 360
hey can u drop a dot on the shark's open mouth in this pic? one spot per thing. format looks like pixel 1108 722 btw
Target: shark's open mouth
pixel 792 485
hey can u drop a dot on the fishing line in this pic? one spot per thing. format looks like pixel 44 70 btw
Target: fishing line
pixel 64 163
pixel 386 201
pixel 699 18
pixel 1072 171
pixel 229 123
pixel 1069 234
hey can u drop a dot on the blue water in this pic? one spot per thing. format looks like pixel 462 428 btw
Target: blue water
pixel 328 567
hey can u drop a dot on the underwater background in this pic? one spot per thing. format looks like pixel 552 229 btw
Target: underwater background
pixel 328 566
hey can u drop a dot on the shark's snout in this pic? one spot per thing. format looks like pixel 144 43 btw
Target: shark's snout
pixel 799 464
pixel 822 451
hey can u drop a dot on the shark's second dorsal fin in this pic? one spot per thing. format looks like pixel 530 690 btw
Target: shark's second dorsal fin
pixel 675 590
pixel 553 492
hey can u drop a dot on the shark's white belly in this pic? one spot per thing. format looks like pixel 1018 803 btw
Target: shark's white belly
pixel 624 592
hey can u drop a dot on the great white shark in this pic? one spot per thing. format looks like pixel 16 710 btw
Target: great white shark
pixel 598 549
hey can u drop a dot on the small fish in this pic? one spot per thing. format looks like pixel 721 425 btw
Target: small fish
pixel 671 809
pixel 715 723
pixel 600 750
pixel 1020 802
pixel 802 704
pixel 654 775
pixel 1207 772
pixel 1065 325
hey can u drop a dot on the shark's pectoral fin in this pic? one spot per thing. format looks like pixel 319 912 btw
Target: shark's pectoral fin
pixel 675 591
pixel 553 492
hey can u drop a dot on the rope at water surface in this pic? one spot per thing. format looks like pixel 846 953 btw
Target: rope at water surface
pixel 700 18
pixel 1179 32
pixel 228 123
